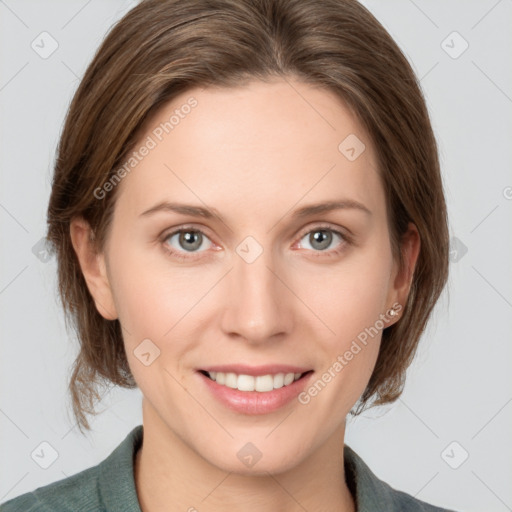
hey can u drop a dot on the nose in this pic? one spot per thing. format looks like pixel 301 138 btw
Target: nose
pixel 258 305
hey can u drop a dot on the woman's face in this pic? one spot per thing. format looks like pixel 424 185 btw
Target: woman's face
pixel 251 286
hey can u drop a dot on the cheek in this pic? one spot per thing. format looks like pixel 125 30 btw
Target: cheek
pixel 351 296
pixel 151 305
pixel 159 302
pixel 152 296
pixel 350 299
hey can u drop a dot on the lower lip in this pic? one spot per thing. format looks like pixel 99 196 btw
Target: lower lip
pixel 255 402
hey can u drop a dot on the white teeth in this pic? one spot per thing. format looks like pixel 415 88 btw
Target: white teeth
pixel 231 380
pixel 278 380
pixel 261 383
pixel 264 383
pixel 289 378
pixel 245 383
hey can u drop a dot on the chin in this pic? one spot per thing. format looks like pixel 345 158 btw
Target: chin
pixel 248 460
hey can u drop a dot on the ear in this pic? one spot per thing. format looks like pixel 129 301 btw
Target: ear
pixel 403 275
pixel 93 267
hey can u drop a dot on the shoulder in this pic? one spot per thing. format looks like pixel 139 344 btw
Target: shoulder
pixel 101 488
pixel 75 493
pixel 403 502
pixel 373 494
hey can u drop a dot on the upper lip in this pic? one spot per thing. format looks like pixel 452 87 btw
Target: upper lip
pixel 243 369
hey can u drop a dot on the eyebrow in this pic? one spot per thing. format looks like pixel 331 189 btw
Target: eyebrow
pixel 210 213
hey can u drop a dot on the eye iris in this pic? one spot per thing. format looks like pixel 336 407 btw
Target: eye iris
pixel 190 240
pixel 321 236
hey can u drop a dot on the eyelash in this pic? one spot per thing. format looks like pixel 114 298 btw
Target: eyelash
pixel 345 240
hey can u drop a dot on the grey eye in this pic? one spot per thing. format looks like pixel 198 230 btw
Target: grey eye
pixel 320 239
pixel 188 240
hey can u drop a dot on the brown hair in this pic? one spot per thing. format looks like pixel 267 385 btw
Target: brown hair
pixel 160 49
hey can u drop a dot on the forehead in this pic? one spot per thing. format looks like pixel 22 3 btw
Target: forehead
pixel 254 146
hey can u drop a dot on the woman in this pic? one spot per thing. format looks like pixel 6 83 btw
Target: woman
pixel 250 226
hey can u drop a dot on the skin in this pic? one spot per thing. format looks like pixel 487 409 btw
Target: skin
pixel 256 154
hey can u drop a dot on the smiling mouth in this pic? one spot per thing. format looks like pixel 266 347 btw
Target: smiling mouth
pixel 260 383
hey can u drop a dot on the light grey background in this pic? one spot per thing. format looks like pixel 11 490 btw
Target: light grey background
pixel 459 387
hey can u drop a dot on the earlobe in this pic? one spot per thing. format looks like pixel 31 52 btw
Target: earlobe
pixel 93 268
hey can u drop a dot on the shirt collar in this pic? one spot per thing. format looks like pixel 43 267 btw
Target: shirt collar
pixel 117 476
pixel 369 492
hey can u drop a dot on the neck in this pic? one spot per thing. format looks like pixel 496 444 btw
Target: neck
pixel 170 476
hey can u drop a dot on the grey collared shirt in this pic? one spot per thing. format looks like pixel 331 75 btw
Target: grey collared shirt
pixel 110 487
